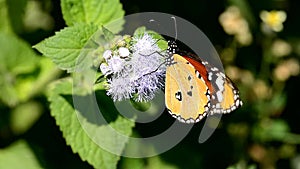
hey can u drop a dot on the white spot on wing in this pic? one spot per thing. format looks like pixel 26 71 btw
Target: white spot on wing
pixel 205 63
pixel 220 96
pixel 198 74
pixel 237 103
pixel 220 84
pixel 210 76
pixel 214 69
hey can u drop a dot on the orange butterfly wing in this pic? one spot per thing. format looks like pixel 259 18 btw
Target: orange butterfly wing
pixel 186 93
pixel 194 88
pixel 224 94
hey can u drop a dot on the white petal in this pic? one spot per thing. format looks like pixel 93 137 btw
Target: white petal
pixel 123 52
pixel 116 63
pixel 104 68
pixel 107 54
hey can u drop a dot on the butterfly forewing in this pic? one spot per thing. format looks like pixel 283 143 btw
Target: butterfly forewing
pixel 186 94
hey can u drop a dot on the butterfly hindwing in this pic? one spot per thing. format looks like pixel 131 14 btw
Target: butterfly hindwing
pixel 224 95
pixel 231 100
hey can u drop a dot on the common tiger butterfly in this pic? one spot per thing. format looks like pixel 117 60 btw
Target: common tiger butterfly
pixel 194 88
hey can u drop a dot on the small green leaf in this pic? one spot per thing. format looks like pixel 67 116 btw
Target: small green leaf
pixel 161 42
pixel 98 12
pixel 18 155
pixel 61 105
pixel 142 106
pixel 65 47
pixel 139 31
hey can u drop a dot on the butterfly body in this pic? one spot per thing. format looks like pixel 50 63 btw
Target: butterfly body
pixel 194 88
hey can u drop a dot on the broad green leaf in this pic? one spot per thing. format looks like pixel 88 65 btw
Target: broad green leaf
pixel 16 59
pixel 18 156
pixel 61 105
pixel 98 12
pixel 65 47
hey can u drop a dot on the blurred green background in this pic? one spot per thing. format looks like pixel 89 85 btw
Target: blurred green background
pixel 258 42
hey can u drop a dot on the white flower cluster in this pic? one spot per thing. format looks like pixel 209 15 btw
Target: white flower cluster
pixel 136 71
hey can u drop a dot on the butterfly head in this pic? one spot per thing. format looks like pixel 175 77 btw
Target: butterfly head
pixel 172 47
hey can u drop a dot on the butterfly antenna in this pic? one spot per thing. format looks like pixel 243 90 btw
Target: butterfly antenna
pixel 158 25
pixel 152 21
pixel 154 70
pixel 175 24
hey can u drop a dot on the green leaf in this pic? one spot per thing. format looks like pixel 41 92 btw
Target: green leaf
pixel 20 88
pixel 98 12
pixel 16 56
pixel 139 31
pixel 65 47
pixel 271 130
pixel 157 162
pixel 107 34
pixel 8 94
pixel 16 59
pixel 16 10
pixel 17 156
pixel 161 42
pixel 142 106
pixel 46 73
pixel 149 163
pixel 24 116
pixel 5 25
pixel 61 105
